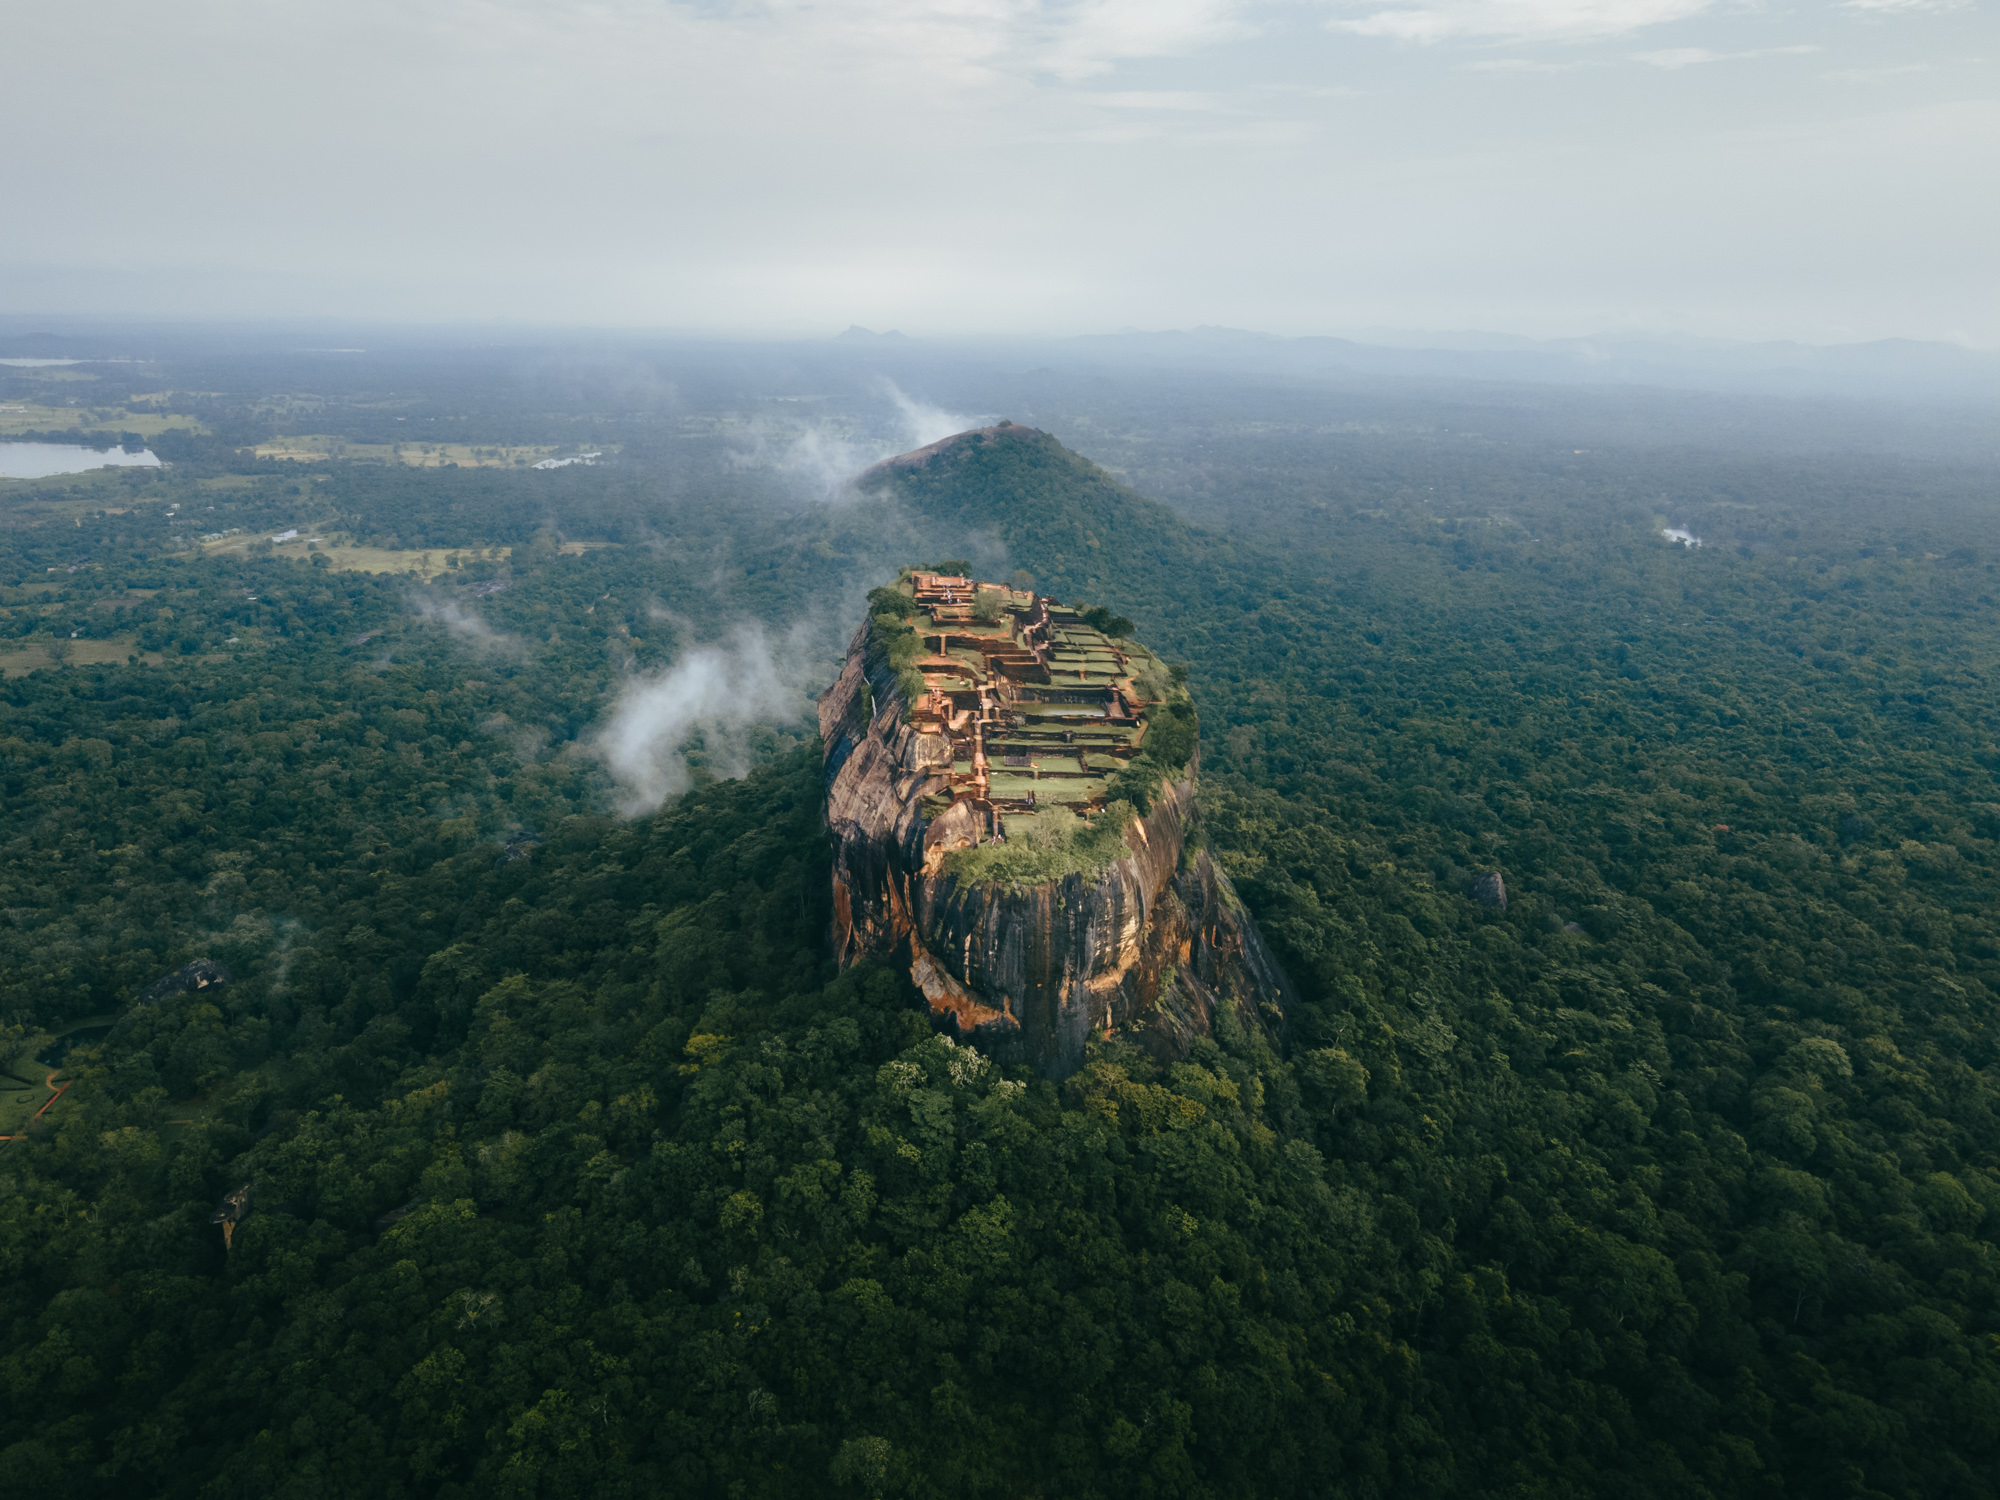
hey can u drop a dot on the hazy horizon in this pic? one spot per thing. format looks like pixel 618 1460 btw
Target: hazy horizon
pixel 1544 168
pixel 86 323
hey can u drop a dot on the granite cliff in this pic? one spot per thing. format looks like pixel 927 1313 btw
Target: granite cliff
pixel 1011 788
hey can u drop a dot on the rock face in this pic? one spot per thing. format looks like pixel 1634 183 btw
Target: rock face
pixel 1490 890
pixel 232 1210
pixel 1152 945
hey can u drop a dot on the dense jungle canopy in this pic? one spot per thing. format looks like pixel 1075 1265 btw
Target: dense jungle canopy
pixel 577 1171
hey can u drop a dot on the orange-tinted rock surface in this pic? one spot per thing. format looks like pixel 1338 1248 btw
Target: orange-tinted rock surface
pixel 1152 943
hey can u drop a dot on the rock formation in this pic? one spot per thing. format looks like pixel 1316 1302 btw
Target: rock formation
pixel 199 974
pixel 232 1210
pixel 1019 724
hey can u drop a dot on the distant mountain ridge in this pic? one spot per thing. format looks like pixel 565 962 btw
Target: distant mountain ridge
pixel 1897 368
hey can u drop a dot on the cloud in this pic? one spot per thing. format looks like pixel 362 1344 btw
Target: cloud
pixel 959 42
pixel 1518 65
pixel 1091 38
pixel 714 695
pixel 823 458
pixel 1905 7
pixel 820 459
pixel 1674 58
pixel 462 623
pixel 1521 20
pixel 717 144
pixel 923 423
pixel 1176 100
pixel 1871 75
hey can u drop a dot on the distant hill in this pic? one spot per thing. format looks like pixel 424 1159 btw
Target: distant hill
pixel 1059 513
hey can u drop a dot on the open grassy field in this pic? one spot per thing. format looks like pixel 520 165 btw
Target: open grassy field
pixel 27 416
pixel 115 651
pixel 15 595
pixel 425 564
pixel 315 448
pixel 344 556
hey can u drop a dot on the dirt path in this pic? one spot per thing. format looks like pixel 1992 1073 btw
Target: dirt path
pixel 54 1094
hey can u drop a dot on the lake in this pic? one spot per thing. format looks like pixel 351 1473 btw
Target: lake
pixel 40 460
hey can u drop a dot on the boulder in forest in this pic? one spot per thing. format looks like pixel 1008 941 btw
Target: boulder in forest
pixel 232 1210
pixel 1490 890
pixel 199 974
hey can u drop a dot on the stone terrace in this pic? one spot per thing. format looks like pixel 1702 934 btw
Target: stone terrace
pixel 1039 707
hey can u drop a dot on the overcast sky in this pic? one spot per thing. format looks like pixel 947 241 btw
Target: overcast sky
pixel 1826 171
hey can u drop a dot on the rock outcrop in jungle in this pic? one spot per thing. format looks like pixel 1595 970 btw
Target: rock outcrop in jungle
pixel 1011 789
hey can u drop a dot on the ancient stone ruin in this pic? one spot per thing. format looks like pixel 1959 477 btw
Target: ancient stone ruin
pixel 1009 826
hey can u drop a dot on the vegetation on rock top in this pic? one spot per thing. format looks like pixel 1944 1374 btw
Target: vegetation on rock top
pixel 1049 845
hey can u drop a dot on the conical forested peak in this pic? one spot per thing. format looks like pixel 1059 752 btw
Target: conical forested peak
pixel 950 451
pixel 1053 507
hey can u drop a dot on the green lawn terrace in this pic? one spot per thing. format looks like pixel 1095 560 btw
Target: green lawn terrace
pixel 1040 707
